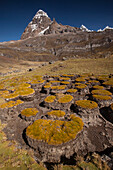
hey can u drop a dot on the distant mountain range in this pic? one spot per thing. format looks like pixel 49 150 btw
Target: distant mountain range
pixel 41 24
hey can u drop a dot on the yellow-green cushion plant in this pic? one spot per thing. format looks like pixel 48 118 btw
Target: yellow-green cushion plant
pixel 98 87
pixel 4 93
pixel 80 79
pixel 64 78
pixel 72 90
pixel 2 101
pixel 65 82
pixel 37 82
pixel 111 106
pixel 109 82
pixel 57 113
pixel 50 99
pixel 101 92
pixel 77 84
pixel 62 87
pixel 11 96
pixel 54 81
pixel 103 77
pixel 82 86
pixel 102 97
pixel 87 104
pixel 93 81
pixel 68 75
pixel 47 85
pixel 25 92
pixel 55 132
pixel 65 99
pixel 29 112
pixel 11 104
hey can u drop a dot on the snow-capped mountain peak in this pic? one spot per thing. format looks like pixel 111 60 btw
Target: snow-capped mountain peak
pixel 38 25
pixel 84 28
pixel 106 28
pixel 40 14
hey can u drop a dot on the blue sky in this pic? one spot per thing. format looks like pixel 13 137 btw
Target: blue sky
pixel 16 14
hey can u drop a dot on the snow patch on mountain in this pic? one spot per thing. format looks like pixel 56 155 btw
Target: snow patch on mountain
pixel 34 27
pixel 106 28
pixel 84 28
pixel 40 14
pixel 42 32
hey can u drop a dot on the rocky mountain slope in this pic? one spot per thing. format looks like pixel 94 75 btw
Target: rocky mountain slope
pixel 45 40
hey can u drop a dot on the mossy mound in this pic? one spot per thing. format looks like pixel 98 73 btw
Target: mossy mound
pixel 98 87
pixel 62 87
pixel 47 86
pixel 29 112
pixel 94 82
pixel 11 104
pixel 109 82
pixel 57 113
pixel 81 79
pixel 50 99
pixel 81 86
pixel 64 79
pixel 87 104
pixel 101 92
pixel 4 93
pixel 11 96
pixel 68 75
pixel 37 82
pixel 55 132
pixel 2 101
pixel 111 106
pixel 65 82
pixel 54 82
pixel 102 97
pixel 103 77
pixel 25 91
pixel 65 99
pixel 72 90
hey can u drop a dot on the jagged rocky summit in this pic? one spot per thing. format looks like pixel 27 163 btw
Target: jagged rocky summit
pixel 41 24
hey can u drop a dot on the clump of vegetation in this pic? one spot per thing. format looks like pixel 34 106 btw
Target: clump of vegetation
pixel 103 77
pixel 57 113
pixel 68 75
pixel 87 104
pixel 101 92
pixel 25 91
pixel 72 90
pixel 54 81
pixel 109 82
pixel 93 81
pixel 81 86
pixel 50 99
pixel 37 82
pixel 65 99
pixel 3 93
pixel 11 104
pixel 111 106
pixel 64 78
pixel 47 86
pixel 98 87
pixel 102 97
pixel 11 96
pixel 81 79
pixel 29 112
pixel 65 82
pixel 55 132
pixel 62 87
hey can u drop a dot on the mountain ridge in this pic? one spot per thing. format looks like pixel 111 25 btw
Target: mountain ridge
pixel 41 24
